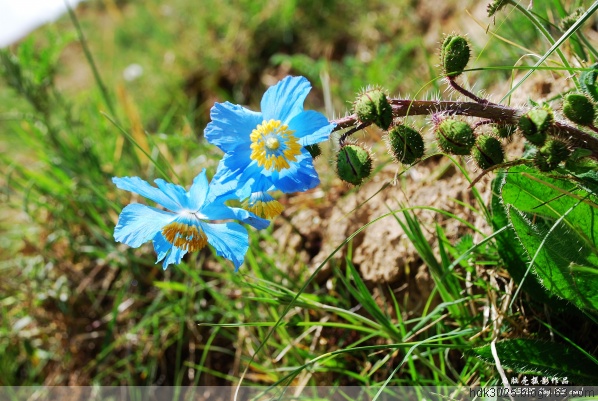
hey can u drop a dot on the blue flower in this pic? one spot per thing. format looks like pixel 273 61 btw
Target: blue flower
pixel 265 150
pixel 188 225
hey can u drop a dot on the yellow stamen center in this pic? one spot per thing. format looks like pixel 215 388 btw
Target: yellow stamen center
pixel 274 145
pixel 184 236
pixel 266 210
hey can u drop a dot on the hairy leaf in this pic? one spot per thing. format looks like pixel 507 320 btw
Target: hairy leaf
pixel 556 222
pixel 542 358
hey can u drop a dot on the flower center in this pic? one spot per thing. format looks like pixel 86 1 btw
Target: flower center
pixel 274 145
pixel 185 236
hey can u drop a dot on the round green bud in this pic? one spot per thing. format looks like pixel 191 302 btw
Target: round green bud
pixel 454 55
pixel 503 131
pixel 549 156
pixel 373 106
pixel 405 144
pixel 353 164
pixel 314 150
pixel 455 137
pixel 534 124
pixel 579 109
pixel 487 152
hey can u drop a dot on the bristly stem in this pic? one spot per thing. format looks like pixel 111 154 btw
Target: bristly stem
pixel 350 132
pixel 465 92
pixel 488 111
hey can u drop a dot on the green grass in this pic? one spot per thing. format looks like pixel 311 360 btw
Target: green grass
pixel 78 308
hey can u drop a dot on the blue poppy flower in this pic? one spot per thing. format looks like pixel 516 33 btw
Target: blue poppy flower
pixel 265 150
pixel 188 224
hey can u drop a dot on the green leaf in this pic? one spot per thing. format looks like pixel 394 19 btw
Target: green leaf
pixel 171 286
pixel 509 247
pixel 588 83
pixel 542 358
pixel 556 222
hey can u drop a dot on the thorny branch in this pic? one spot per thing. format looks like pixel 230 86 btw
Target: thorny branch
pixel 490 111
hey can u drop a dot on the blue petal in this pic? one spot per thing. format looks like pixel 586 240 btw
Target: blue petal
pixel 231 126
pixel 175 192
pixel 217 210
pixel 285 99
pixel 232 166
pixel 300 176
pixel 243 173
pixel 198 192
pixel 139 223
pixel 141 187
pixel 165 250
pixel 311 127
pixel 230 240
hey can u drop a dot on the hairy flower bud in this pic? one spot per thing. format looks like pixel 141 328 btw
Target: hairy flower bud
pixel 314 150
pixel 568 21
pixel 372 106
pixel 549 156
pixel 454 55
pixel 405 144
pixel 579 109
pixel 455 137
pixel 503 131
pixel 487 152
pixel 534 124
pixel 495 6
pixel 353 164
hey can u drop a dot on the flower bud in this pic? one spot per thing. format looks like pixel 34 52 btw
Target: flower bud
pixel 455 137
pixel 579 109
pixel 353 164
pixel 534 124
pixel 495 6
pixel 314 150
pixel 487 152
pixel 405 144
pixel 549 156
pixel 372 106
pixel 503 131
pixel 454 55
pixel 568 21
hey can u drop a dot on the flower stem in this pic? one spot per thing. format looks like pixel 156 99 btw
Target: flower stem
pixel 489 111
pixel 465 92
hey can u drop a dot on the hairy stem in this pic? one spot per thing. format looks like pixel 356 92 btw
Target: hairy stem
pixel 490 111
pixel 465 92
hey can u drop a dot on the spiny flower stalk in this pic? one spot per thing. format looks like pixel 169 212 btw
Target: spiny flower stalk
pixel 501 115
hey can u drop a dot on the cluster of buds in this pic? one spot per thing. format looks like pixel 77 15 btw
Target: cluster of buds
pixel 483 142
pixel 405 144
